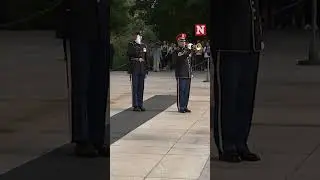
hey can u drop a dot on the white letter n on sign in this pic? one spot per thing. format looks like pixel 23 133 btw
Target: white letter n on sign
pixel 200 30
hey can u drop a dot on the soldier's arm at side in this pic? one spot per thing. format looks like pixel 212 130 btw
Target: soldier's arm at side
pixel 130 54
pixel 147 59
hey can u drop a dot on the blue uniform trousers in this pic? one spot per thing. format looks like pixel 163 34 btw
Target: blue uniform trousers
pixel 137 88
pixel 235 79
pixel 183 93
pixel 89 86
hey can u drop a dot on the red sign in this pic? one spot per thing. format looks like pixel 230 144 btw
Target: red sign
pixel 200 30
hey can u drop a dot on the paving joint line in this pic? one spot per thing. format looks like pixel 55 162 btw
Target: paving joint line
pixel 188 130
pixel 202 172
pixel 299 165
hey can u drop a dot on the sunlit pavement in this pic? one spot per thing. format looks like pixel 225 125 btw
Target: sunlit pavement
pixel 168 146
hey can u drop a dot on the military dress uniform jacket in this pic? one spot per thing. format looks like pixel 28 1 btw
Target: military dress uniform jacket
pixel 135 51
pixel 182 63
pixel 236 25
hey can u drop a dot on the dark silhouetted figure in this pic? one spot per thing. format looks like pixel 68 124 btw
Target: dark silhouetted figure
pixel 236 42
pixel 89 40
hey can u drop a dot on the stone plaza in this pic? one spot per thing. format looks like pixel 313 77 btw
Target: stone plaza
pixel 159 144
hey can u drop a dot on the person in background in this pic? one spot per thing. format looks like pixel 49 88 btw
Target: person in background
pixel 193 59
pixel 170 52
pixel 207 52
pixel 164 52
pixel 198 55
pixel 156 54
pixel 174 48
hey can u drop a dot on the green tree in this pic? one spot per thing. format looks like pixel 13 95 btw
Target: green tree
pixel 125 20
pixel 119 15
pixel 171 17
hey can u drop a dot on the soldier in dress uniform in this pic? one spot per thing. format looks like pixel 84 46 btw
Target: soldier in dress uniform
pixel 183 73
pixel 87 34
pixel 236 42
pixel 138 69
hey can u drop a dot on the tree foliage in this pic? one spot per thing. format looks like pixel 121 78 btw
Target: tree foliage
pixel 159 19
pixel 119 15
pixel 124 21
pixel 174 16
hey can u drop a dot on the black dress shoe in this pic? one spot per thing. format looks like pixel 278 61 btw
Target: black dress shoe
pixel 136 109
pixel 249 156
pixel 230 157
pixel 85 150
pixel 181 111
pixel 187 110
pixel 103 151
pixel 142 109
